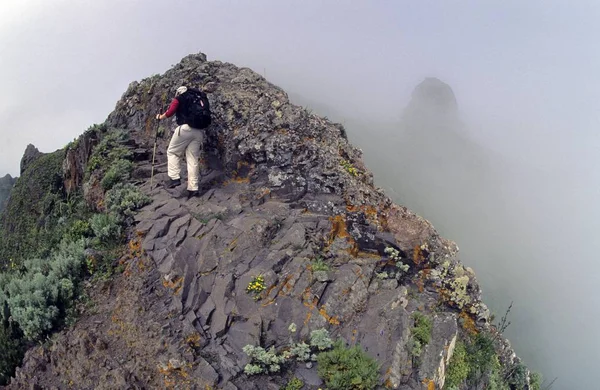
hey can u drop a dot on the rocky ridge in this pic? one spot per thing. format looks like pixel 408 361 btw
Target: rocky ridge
pixel 282 188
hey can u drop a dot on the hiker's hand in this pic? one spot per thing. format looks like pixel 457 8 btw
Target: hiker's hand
pixel 159 116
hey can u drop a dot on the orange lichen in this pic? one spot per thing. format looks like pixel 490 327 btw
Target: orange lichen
pixel 176 285
pixel 420 285
pixel 388 382
pixel 193 340
pixel 339 230
pixel 237 179
pixel 418 255
pixel 430 384
pixel 333 320
pixel 285 287
pixel 468 323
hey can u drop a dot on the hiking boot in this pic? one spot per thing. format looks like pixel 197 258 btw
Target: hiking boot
pixel 192 194
pixel 173 183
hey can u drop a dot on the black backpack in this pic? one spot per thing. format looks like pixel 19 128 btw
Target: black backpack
pixel 194 109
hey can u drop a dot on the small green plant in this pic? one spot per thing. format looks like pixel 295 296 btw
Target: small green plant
pixel 318 264
pixel 393 253
pixel 256 286
pixel 91 265
pixel 294 384
pixel 517 378
pixel 261 360
pixel 415 348
pixel 420 334
pixel 108 150
pixel 320 339
pixel 535 381
pixel 345 368
pixel 458 368
pixel 106 227
pixel 422 328
pixel 119 172
pixel 79 229
pixel 402 268
pixel 125 199
pixel 349 168
pixel 300 351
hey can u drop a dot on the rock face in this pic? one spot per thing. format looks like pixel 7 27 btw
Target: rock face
pixel 31 154
pixel 6 184
pixel 281 188
pixel 434 97
pixel 76 159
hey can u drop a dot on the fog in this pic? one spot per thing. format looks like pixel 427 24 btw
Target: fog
pixel 515 182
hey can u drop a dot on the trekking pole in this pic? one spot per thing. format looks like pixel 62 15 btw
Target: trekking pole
pixel 154 154
pixel 155 141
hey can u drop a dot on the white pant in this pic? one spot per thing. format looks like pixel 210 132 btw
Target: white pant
pixel 189 140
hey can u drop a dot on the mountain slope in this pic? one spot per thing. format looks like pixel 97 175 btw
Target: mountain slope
pixel 6 184
pixel 285 198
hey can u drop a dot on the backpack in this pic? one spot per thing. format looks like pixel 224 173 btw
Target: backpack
pixel 194 109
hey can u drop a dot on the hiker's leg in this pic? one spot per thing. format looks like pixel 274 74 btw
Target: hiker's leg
pixel 192 155
pixel 174 152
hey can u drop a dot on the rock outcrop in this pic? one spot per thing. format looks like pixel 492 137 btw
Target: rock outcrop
pixel 282 189
pixel 31 154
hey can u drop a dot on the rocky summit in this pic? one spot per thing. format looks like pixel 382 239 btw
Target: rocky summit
pixel 289 247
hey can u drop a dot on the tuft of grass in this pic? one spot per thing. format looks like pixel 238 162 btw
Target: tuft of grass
pixel 318 264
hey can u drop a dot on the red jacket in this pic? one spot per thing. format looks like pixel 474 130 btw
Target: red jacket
pixel 172 108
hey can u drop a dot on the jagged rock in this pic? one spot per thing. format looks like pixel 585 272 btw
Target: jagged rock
pixel 31 154
pixel 438 352
pixel 434 96
pixel 76 160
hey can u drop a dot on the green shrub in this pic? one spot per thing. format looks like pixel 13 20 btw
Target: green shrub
pixel 301 352
pixel 261 360
pixel 12 349
pixel 320 339
pixel 119 172
pixel 345 368
pixel 517 378
pixel 414 347
pixel 78 230
pixel 536 380
pixel 294 384
pixel 124 199
pixel 420 334
pixel 106 227
pixel 458 368
pixel 39 298
pixel 496 379
pixel 422 328
pixel 109 149
pixel 482 356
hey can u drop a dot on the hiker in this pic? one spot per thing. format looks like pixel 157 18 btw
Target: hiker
pixel 192 111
